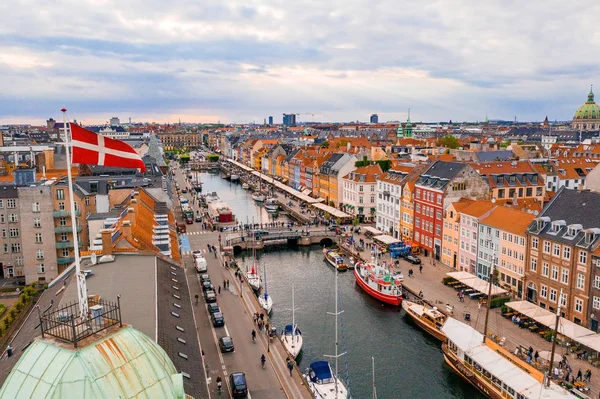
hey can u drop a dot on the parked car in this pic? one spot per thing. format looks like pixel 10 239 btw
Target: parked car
pixel 210 296
pixel 334 227
pixel 213 308
pixel 198 219
pixel 413 259
pixel 239 388
pixel 226 344
pixel 207 286
pixel 184 191
pixel 218 320
pixel 204 278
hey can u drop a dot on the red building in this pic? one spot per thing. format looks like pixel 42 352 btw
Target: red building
pixel 441 184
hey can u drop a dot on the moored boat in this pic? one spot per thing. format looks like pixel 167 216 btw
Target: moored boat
pixel 258 196
pixel 245 186
pixel 266 302
pixel 253 278
pixel 335 259
pixel 271 204
pixel 291 336
pixel 378 282
pixel 235 177
pixel 491 369
pixel 429 319
pixel 323 383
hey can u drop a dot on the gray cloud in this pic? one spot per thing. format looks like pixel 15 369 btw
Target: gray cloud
pixel 341 59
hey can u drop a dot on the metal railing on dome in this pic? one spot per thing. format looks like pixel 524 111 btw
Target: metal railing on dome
pixel 66 324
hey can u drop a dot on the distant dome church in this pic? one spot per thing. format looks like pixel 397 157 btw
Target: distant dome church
pixel 587 116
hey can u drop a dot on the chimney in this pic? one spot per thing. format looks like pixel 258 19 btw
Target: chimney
pixel 127 229
pixel 107 247
pixel 348 146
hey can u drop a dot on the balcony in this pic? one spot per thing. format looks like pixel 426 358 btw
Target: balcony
pixel 65 229
pixel 65 260
pixel 64 214
pixel 66 244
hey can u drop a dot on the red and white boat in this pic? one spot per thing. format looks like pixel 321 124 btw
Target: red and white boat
pixel 378 282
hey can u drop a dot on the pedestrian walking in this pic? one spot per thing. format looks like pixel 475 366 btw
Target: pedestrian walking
pixel 290 365
pixel 420 268
pixel 224 284
pixel 219 291
pixel 579 376
pixel 535 357
pixel 262 316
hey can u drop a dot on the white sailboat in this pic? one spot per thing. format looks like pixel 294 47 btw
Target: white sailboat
pixel 258 196
pixel 321 380
pixel 252 276
pixel 292 337
pixel 264 299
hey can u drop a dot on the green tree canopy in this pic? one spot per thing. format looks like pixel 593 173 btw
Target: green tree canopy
pixel 448 141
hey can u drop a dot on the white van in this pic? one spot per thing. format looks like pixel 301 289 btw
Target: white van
pixel 200 264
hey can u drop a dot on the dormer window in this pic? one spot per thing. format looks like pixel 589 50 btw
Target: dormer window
pixel 572 231
pixel 556 226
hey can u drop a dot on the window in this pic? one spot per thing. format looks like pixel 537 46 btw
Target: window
pixel 581 281
pixel 35 207
pixel 1 203
pixel 38 238
pixel 11 203
pixel 596 303
pixel 534 243
pixel 546 247
pixel 15 247
pixel 545 269
pixel 554 275
pixel 566 252
pixel 543 291
pixel 533 265
pixel 13 218
pixel 438 214
pixel 37 222
pixel 39 254
pixel 578 305
pixel 552 295
pixel 41 268
pixel 556 250
pixel 87 199
pixel 564 276
pixel 563 299
pixel 65 252
pixel 62 221
pixel 582 257
pixel 61 206
pixel 64 237
pixel 13 233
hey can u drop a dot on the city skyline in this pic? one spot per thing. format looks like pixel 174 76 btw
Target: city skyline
pixel 238 62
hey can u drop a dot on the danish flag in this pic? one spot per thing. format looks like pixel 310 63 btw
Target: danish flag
pixel 94 149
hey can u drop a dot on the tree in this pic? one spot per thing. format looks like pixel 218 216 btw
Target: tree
pixel 384 164
pixel 213 158
pixel 448 141
pixel 505 144
pixel 325 144
pixel 364 162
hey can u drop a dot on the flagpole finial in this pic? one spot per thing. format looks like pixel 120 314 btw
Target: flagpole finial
pixel 63 110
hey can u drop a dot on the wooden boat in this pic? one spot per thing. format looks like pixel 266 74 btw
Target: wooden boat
pixel 429 319
pixel 495 372
pixel 335 259
pixel 378 282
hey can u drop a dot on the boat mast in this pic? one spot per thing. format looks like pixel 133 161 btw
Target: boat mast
pixel 554 340
pixel 374 390
pixel 293 318
pixel 489 296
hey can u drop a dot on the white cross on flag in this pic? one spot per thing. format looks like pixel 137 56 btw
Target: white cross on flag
pixel 94 149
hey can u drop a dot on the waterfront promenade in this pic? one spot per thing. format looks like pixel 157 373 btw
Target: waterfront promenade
pixel 429 281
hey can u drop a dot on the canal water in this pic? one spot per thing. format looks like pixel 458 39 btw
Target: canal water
pixel 408 362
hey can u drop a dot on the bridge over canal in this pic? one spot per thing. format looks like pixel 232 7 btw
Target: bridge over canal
pixel 243 240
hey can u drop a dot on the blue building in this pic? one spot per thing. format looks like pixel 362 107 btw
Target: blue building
pixel 374 118
pixel 270 120
pixel 289 119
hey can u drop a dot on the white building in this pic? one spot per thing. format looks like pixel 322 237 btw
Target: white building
pixel 359 192
pixel 389 196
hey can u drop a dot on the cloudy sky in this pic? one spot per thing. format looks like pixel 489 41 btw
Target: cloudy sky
pixel 336 60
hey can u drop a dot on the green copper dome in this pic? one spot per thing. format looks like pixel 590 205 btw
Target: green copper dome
pixel 125 364
pixel 589 110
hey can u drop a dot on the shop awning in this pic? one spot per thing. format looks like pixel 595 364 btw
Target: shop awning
pixel 476 283
pixel 566 327
pixel 387 240
pixel 372 230
pixel 331 210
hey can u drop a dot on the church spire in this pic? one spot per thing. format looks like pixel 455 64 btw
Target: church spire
pixel 591 95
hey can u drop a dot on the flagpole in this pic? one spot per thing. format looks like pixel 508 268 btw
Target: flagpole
pixel 81 285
